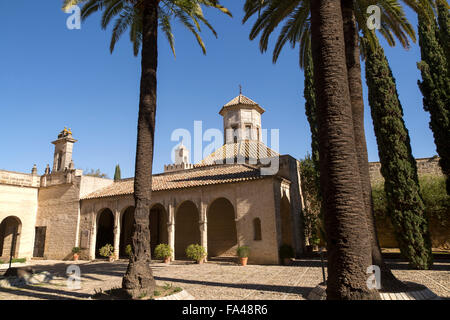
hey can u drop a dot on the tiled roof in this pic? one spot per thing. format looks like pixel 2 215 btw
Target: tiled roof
pixel 241 99
pixel 200 176
pixel 249 149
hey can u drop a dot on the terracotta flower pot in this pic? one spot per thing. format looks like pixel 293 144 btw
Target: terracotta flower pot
pixel 75 257
pixel 111 258
pixel 287 261
pixel 244 261
pixel 167 260
pixel 201 261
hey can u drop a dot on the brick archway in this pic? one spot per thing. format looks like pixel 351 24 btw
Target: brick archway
pixel 222 234
pixel 105 230
pixel 187 230
pixel 286 222
pixel 126 228
pixel 10 230
pixel 158 226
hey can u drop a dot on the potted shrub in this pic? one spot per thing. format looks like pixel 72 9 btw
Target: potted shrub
pixel 315 243
pixel 76 253
pixel 107 251
pixel 286 254
pixel 128 250
pixel 163 251
pixel 196 252
pixel 243 253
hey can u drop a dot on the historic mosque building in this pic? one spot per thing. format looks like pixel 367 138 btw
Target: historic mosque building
pixel 231 198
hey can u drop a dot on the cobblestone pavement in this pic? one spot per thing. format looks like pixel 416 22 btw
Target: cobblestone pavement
pixel 212 280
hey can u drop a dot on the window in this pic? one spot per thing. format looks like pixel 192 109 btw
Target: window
pixel 248 131
pixel 235 134
pixel 257 229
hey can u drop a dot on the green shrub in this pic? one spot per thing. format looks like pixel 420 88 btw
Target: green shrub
pixel 195 252
pixel 157 293
pixel 128 250
pixel 243 251
pixel 286 251
pixel 76 250
pixel 163 251
pixel 15 260
pixel 435 199
pixel 107 250
pixel 312 215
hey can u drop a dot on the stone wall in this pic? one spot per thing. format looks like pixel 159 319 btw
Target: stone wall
pixel 19 198
pixel 440 234
pixel 59 210
pixel 19 179
pixel 425 166
pixel 20 202
pixel 91 184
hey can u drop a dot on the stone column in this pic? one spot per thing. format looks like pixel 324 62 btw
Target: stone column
pixel 116 234
pixel 171 229
pixel 203 225
pixel 93 236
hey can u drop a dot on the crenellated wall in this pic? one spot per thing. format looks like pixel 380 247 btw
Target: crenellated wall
pixel 425 166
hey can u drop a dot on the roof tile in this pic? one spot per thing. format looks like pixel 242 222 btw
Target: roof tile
pixel 199 176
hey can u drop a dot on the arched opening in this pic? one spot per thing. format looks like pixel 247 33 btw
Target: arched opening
pixel 158 227
pixel 126 229
pixel 222 235
pixel 257 235
pixel 286 221
pixel 187 229
pixel 10 230
pixel 105 230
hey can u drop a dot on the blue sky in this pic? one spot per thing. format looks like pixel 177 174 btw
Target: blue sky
pixel 51 77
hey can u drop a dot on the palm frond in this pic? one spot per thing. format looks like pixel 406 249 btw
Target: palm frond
pixel 128 15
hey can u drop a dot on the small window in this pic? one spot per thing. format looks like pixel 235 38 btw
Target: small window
pixel 235 134
pixel 257 229
pixel 248 132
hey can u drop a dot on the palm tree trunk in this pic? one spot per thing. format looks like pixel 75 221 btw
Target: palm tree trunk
pixel 352 53
pixel 348 246
pixel 138 279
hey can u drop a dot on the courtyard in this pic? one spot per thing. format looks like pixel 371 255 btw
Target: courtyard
pixel 216 280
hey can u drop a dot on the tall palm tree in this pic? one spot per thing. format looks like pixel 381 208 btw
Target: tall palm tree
pixel 142 18
pixel 347 242
pixel 297 29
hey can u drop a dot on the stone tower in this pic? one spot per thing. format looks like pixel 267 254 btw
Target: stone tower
pixel 62 158
pixel 181 160
pixel 181 154
pixel 241 120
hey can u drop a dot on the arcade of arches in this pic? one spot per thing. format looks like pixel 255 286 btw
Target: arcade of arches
pixel 221 228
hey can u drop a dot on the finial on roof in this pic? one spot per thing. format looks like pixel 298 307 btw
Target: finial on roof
pixel 240 89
